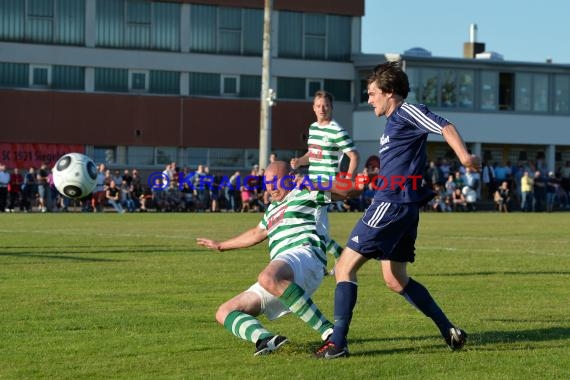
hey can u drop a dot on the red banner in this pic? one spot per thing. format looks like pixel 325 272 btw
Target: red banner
pixel 25 156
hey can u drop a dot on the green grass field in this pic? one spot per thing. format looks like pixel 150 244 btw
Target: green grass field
pixel 131 296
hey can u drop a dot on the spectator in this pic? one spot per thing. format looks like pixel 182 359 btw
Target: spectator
pixel 98 199
pixel 539 192
pixel 488 179
pixel 16 184
pixel 458 200
pixel 127 196
pixel 137 187
pixel 503 197
pixel 117 177
pixel 113 195
pixel 4 182
pixel 527 184
pixel 29 190
pixel 450 185
pixel 230 192
pixel 201 189
pixel 552 185
pixel 187 197
pixel 43 187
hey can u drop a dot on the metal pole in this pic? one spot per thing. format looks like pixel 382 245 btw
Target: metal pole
pixel 266 92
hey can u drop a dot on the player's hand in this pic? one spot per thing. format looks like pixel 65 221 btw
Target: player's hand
pixel 473 162
pixel 212 244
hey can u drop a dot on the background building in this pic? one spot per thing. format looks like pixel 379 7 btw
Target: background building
pixel 140 84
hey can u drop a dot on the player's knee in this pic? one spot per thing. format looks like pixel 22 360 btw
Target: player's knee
pixel 222 313
pixel 268 281
pixel 393 284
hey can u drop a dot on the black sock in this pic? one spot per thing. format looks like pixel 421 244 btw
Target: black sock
pixel 416 294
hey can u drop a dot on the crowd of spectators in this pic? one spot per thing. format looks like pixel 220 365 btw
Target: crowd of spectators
pixel 527 186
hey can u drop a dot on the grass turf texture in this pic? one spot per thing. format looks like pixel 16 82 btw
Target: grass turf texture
pixel 132 296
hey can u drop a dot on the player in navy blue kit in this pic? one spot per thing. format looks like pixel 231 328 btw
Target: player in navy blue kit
pixel 388 229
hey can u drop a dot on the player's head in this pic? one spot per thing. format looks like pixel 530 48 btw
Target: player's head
pixel 387 85
pixel 389 77
pixel 276 175
pixel 323 105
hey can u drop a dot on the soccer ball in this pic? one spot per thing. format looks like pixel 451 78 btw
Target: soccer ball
pixel 75 175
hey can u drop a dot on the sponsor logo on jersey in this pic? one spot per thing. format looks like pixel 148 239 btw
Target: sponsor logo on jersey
pixel 276 218
pixel 315 152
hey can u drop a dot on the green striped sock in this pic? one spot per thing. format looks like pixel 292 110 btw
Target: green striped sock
pixel 295 299
pixel 245 326
pixel 334 249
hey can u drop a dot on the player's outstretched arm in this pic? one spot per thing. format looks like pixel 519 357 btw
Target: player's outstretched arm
pixel 454 140
pixel 296 163
pixel 246 239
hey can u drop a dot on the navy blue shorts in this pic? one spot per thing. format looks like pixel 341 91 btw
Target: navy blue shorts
pixel 387 231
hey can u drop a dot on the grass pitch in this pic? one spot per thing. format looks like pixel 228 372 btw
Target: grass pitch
pixel 131 296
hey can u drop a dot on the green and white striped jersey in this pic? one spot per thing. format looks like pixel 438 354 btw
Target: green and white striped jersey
pixel 326 145
pixel 292 222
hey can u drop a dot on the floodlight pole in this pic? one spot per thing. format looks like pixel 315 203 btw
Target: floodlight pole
pixel 267 94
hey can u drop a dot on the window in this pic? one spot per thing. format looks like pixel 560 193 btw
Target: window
pixel 314 36
pixel 204 84
pixel 341 89
pixel 40 16
pixel 140 155
pixel 196 156
pixel 250 86
pixel 230 85
pixel 109 79
pixel 523 92
pixel 41 9
pixel 164 82
pixel 414 81
pixel 531 92
pixel 456 88
pixel 226 30
pixel 40 76
pixel 227 158
pixel 229 30
pixel 138 23
pixel 429 87
pixel 448 90
pixel 489 90
pixel 68 77
pixel 466 88
pixel 291 88
pixel 104 154
pixel 14 75
pixel 165 155
pixel 540 92
pixel 138 80
pixel 506 91
pixel 561 93
pixel 313 85
pixel 364 91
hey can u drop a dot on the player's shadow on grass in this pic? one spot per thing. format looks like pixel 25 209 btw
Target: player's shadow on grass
pixel 58 257
pixel 54 251
pixel 485 340
pixel 519 336
pixel 508 273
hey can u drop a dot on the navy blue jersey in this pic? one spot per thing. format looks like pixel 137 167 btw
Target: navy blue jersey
pixel 403 154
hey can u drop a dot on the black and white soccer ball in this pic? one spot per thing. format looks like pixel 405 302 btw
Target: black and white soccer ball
pixel 75 175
